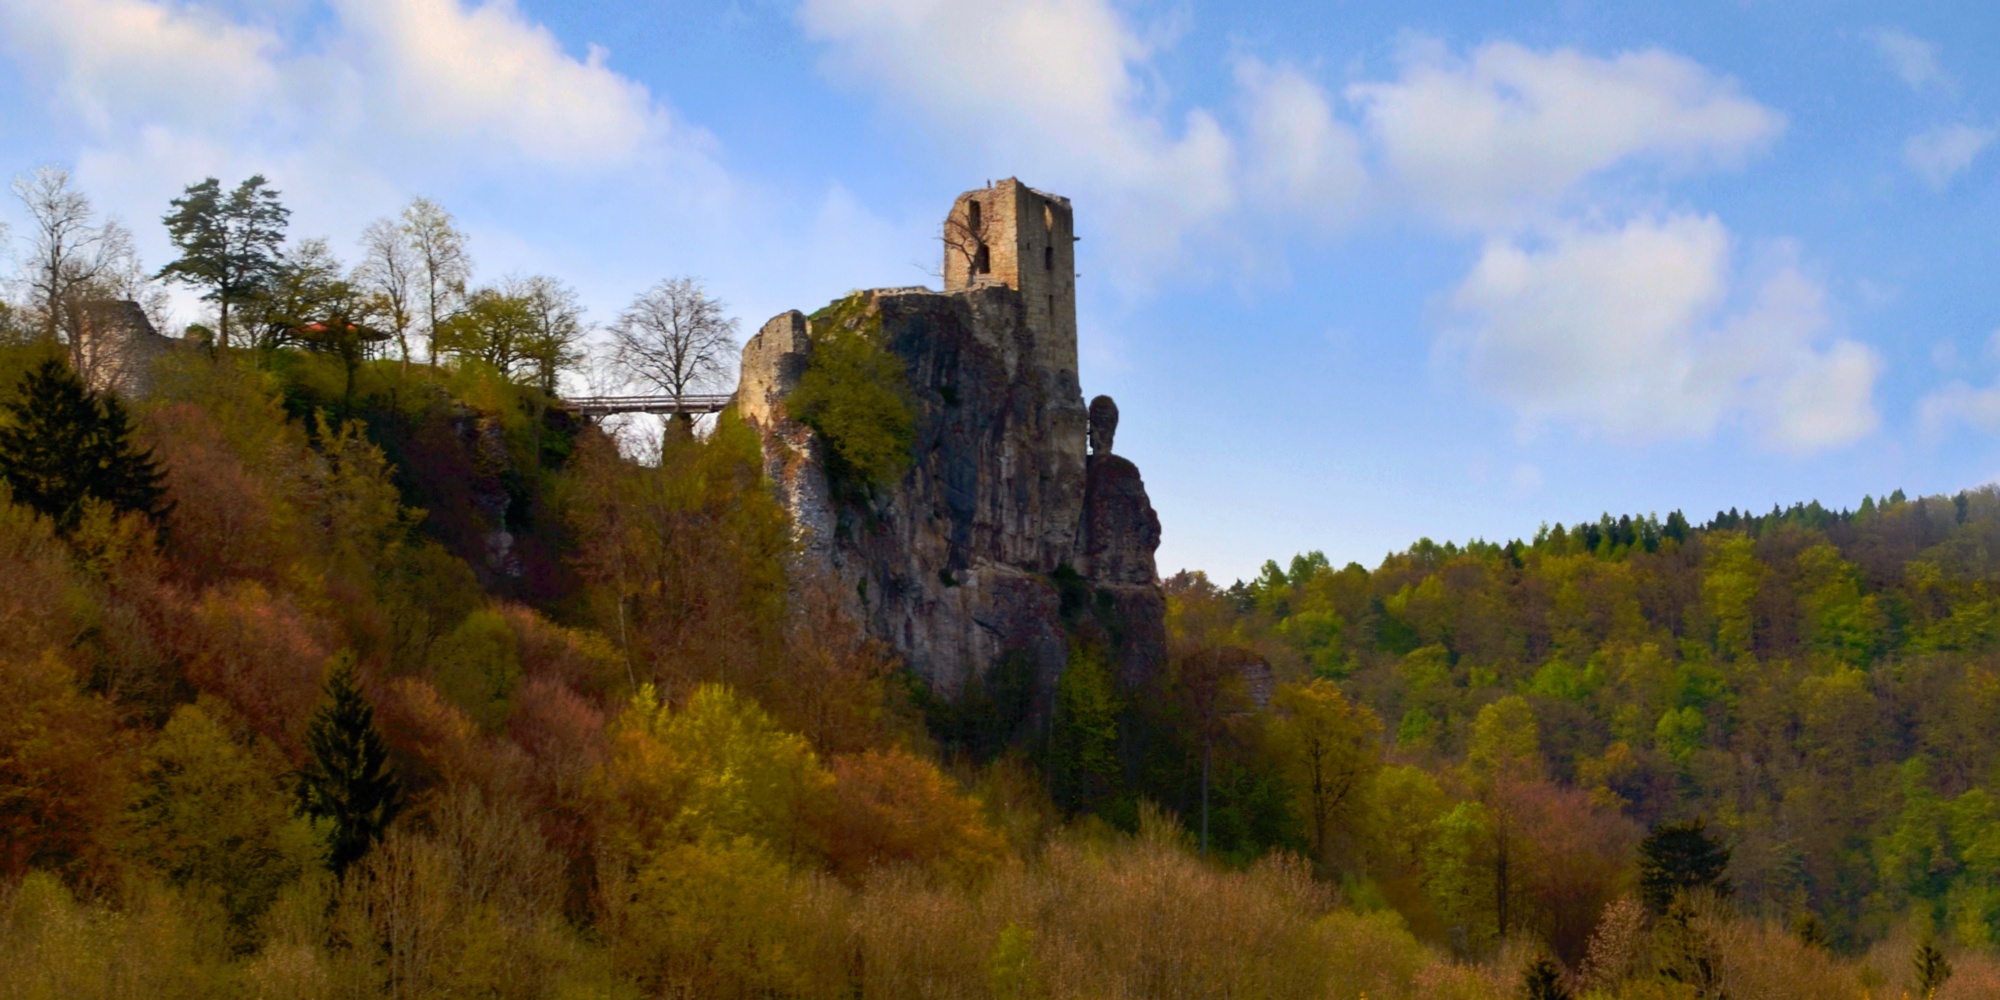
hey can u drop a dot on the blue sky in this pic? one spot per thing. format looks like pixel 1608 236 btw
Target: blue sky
pixel 1355 272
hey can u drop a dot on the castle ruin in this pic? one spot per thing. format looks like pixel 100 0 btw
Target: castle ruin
pixel 1015 533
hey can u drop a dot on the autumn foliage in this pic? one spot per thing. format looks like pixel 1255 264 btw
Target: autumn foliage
pixel 643 753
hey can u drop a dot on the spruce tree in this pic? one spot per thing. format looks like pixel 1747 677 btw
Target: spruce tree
pixel 1932 968
pixel 61 445
pixel 1543 980
pixel 348 780
pixel 1679 856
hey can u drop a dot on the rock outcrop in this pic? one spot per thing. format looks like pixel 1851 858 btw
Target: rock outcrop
pixel 1120 532
pixel 979 551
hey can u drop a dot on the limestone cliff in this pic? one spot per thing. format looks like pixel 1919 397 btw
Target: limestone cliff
pixel 1002 538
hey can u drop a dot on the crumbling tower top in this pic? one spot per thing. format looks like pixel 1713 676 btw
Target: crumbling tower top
pixel 1013 235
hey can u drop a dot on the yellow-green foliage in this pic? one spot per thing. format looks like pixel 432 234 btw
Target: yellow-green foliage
pixel 715 769
pixel 477 666
pixel 212 815
pixel 726 918
pixel 157 945
pixel 856 394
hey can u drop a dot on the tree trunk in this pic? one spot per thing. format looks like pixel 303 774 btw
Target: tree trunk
pixel 1207 751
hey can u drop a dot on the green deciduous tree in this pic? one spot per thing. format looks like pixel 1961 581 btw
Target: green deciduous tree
pixel 209 813
pixel 1331 749
pixel 1083 750
pixel 347 782
pixel 494 327
pixel 228 243
pixel 62 446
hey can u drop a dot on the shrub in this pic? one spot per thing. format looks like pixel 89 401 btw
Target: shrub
pixel 890 806
pixel 856 394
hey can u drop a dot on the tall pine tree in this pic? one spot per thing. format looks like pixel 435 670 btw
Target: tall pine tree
pixel 62 445
pixel 228 243
pixel 348 780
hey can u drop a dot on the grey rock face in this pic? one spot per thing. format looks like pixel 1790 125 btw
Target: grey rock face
pixel 955 566
pixel 1103 424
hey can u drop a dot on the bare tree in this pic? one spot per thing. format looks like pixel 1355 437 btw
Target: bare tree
pixel 964 237
pixel 388 275
pixel 675 338
pixel 71 253
pixel 443 265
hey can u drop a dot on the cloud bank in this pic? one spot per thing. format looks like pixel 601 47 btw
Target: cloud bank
pixel 1527 152
pixel 1626 330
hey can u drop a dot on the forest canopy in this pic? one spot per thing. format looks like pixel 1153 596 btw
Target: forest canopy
pixel 353 665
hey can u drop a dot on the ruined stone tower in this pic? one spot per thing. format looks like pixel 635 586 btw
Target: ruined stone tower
pixel 1004 542
pixel 1012 235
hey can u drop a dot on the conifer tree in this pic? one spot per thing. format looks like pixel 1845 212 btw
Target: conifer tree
pixel 62 445
pixel 228 243
pixel 1543 980
pixel 348 780
pixel 1680 856
pixel 1932 968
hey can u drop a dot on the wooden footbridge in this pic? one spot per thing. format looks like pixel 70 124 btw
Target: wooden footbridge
pixel 689 403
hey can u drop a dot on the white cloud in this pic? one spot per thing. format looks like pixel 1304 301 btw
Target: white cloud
pixel 1628 331
pixel 1506 133
pixel 464 81
pixel 1298 155
pixel 352 107
pixel 443 71
pixel 1063 88
pixel 1942 153
pixel 116 62
pixel 1913 59
pixel 1053 90
pixel 1959 403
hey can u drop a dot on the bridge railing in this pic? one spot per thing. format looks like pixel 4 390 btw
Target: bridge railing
pixel 600 406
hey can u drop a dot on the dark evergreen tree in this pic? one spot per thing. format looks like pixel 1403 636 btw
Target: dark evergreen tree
pixel 1680 856
pixel 228 243
pixel 62 445
pixel 348 780
pixel 1677 527
pixel 1932 968
pixel 1542 980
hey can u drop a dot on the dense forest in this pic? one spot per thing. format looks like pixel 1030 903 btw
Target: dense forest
pixel 330 668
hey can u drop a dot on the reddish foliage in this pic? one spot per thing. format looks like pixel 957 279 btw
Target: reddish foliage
pixel 1581 862
pixel 431 742
pixel 62 772
pixel 258 651
pixel 223 515
pixel 563 737
pixel 890 806
pixel 582 661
